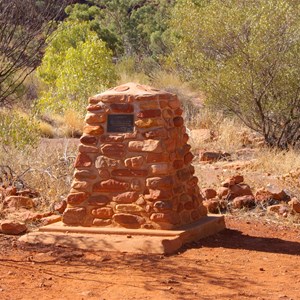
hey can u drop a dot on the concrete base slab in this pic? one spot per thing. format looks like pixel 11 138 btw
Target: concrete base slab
pixel 125 240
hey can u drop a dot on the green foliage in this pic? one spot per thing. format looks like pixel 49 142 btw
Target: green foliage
pixel 76 65
pixel 245 56
pixel 130 27
pixel 18 130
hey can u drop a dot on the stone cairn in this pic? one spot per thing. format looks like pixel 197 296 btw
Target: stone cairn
pixel 134 167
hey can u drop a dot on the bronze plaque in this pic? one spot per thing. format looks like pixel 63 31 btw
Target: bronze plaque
pixel 120 123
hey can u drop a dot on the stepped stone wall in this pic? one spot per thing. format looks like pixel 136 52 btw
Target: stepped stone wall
pixel 134 167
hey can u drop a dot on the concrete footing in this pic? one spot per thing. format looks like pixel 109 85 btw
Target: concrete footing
pixel 125 240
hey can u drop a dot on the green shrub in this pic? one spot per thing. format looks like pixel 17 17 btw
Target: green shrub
pixel 18 130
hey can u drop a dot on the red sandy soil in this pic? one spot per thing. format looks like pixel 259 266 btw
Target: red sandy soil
pixel 249 260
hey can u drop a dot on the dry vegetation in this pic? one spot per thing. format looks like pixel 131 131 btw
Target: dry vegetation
pixel 48 168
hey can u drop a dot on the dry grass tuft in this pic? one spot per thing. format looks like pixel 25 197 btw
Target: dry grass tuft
pixel 47 169
pixel 46 130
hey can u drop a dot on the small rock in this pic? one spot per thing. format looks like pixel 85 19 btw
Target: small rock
pixel 60 206
pixel 277 193
pixel 18 202
pixel 213 156
pixel 238 190
pixel 209 193
pixel 212 205
pixel 12 227
pixel 295 205
pixel 233 180
pixel 277 209
pixel 243 201
pixel 51 219
pixel 222 192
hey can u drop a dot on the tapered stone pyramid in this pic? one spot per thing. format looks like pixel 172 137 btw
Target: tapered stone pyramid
pixel 134 166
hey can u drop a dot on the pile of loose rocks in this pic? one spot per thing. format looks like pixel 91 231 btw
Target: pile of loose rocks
pixel 234 193
pixel 19 208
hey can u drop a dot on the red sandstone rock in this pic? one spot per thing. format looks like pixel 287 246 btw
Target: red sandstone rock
pixel 171 218
pixel 278 209
pixel 178 111
pixel 85 174
pixel 103 213
pixel 51 219
pixel 146 123
pixel 128 220
pixel 178 121
pixel 295 205
pixel 163 104
pixel 193 181
pixel 149 105
pixel 145 146
pixel 188 158
pixel 101 222
pixel 74 216
pixel 212 156
pixel 98 200
pixel 113 150
pixel 209 193
pixel 82 160
pixel 222 192
pixel 129 173
pixel 159 195
pixel 104 174
pixel 156 133
pixel 96 107
pixel 233 180
pixel 134 162
pixel 183 174
pixel 89 140
pixel 128 208
pixel 93 130
pixel 87 149
pixel 277 193
pixel 212 205
pixel 243 201
pixel 110 185
pixel 78 198
pixel 167 113
pixel 151 113
pixel 109 138
pixel 95 118
pixel 185 138
pixel 12 227
pixel 160 169
pixel 122 107
pixel 178 164
pixel 178 189
pixel 159 182
pixel 60 206
pixel 161 206
pixel 239 190
pixel 174 103
pixel 262 195
pixel 128 197
pixel 105 162
pixel 80 185
pixel 189 205
pixel 157 157
pixel 136 184
pixel 18 202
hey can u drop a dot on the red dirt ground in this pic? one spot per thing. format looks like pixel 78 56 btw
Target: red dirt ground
pixel 249 260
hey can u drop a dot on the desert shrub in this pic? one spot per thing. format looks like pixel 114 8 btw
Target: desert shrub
pixel 245 56
pixel 76 65
pixel 18 129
